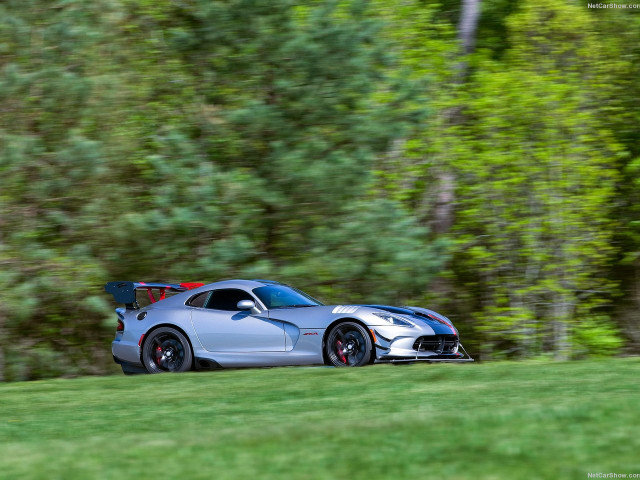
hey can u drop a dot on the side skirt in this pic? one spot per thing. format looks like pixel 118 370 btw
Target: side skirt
pixel 206 364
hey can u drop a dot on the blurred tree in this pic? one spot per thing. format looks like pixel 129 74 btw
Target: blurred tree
pixel 218 139
pixel 49 166
pixel 419 171
pixel 290 107
pixel 618 97
pixel 536 186
pixel 333 145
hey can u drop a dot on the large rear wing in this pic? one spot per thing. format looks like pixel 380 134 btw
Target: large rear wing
pixel 125 292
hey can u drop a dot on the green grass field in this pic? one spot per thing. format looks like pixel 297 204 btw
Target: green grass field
pixel 473 421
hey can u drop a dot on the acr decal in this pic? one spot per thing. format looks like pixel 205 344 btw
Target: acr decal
pixel 311 333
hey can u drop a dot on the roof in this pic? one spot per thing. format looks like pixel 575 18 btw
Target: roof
pixel 240 283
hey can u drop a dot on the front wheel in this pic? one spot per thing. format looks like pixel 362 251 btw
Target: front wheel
pixel 348 345
pixel 166 350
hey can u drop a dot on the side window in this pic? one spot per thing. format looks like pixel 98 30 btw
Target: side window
pixel 227 299
pixel 199 300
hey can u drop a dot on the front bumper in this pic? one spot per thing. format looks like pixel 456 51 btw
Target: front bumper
pixel 397 344
pixel 459 358
pixel 399 357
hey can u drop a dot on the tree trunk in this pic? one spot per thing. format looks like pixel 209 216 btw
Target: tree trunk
pixel 445 196
pixel 468 25
pixel 446 181
pixel 467 29
pixel 562 311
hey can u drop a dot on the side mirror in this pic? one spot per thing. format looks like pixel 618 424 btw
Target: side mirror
pixel 246 305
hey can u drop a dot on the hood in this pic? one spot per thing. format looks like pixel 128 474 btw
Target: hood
pixel 439 323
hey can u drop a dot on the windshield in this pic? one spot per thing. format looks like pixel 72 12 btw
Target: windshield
pixel 279 296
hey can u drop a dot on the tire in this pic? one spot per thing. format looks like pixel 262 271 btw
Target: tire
pixel 166 350
pixel 348 345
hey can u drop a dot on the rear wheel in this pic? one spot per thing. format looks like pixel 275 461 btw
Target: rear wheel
pixel 348 345
pixel 166 350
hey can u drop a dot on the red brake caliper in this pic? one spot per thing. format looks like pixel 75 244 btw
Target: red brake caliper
pixel 341 352
pixel 158 354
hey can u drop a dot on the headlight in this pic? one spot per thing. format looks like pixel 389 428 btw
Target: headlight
pixel 392 319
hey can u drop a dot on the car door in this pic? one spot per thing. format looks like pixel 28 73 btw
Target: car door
pixel 221 327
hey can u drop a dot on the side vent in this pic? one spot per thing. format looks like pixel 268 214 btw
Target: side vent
pixel 345 309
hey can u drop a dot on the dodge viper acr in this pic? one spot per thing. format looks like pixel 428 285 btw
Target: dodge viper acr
pixel 260 323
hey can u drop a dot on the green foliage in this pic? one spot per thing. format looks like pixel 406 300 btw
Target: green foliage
pixel 194 141
pixel 49 168
pixel 319 144
pixel 536 188
pixel 532 144
pixel 380 254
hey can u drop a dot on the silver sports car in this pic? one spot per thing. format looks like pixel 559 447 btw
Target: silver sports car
pixel 258 323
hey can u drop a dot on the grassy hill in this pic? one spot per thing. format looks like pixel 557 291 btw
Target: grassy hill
pixel 478 421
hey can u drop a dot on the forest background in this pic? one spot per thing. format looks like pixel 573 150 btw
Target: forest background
pixel 478 158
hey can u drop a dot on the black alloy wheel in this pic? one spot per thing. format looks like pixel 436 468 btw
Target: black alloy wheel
pixel 348 345
pixel 166 350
